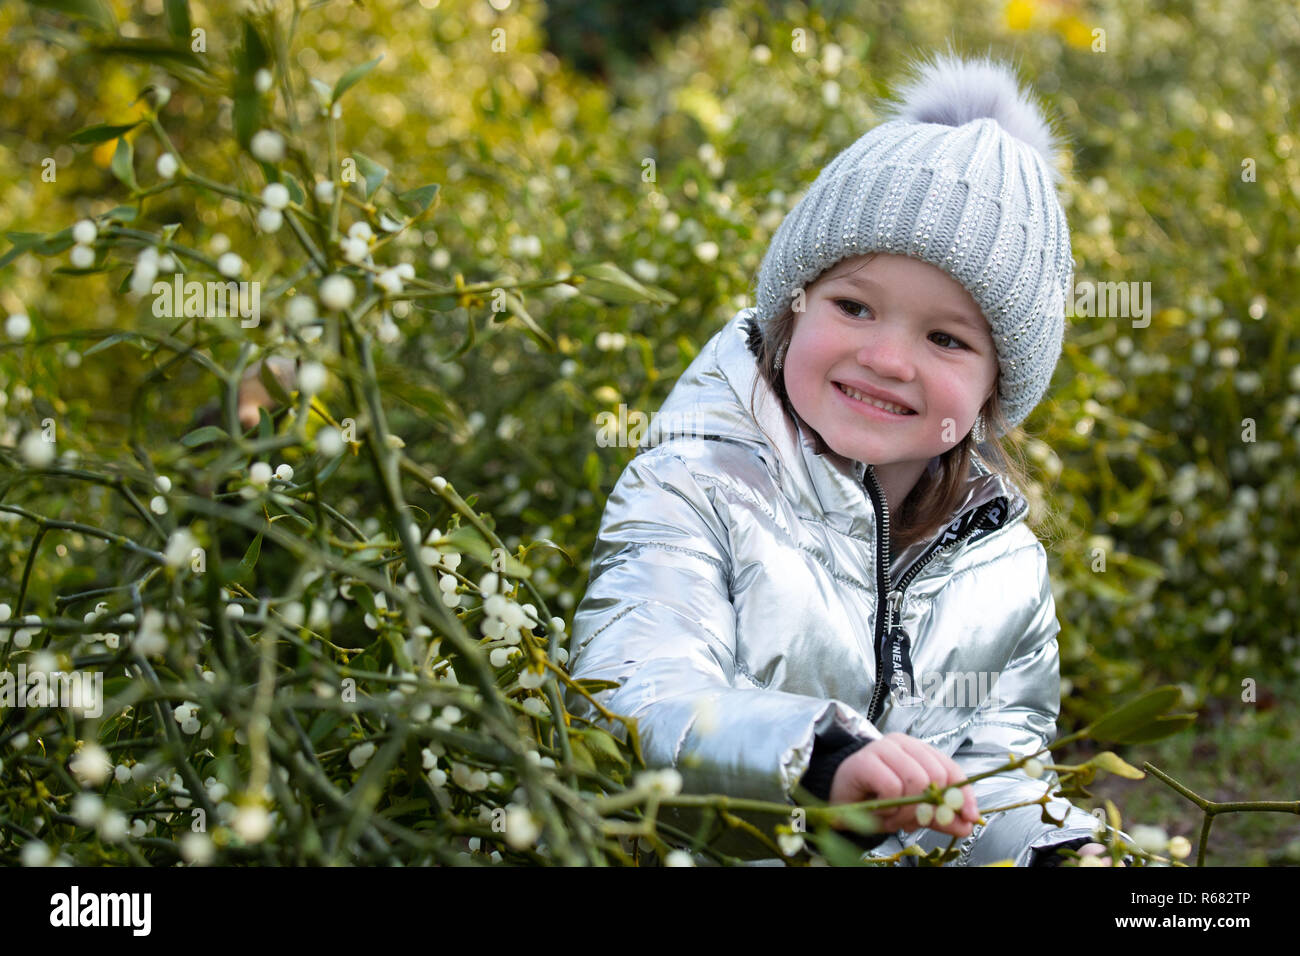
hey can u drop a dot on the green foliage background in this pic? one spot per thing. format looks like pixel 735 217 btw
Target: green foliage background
pixel 1167 453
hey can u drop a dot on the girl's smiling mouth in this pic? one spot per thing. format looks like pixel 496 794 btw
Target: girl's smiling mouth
pixel 880 408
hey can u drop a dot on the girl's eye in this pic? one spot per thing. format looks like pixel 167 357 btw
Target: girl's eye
pixel 851 303
pixel 960 344
pixel 841 302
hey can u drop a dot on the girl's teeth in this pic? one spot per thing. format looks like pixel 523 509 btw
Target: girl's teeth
pixel 854 394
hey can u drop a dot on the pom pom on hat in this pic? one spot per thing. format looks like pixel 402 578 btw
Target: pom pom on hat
pixel 949 90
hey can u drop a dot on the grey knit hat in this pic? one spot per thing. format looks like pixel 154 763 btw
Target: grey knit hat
pixel 961 175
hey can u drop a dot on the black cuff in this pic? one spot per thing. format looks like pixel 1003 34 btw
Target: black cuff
pixel 1048 855
pixel 830 749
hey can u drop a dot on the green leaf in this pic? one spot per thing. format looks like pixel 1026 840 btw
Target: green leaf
pixel 247 116
pixel 265 430
pixel 122 164
pixel 604 747
pixel 593 686
pixel 163 53
pixel 295 188
pixel 101 133
pixel 1120 724
pixel 581 755
pixel 837 850
pixel 607 281
pixel 405 806
pixel 364 598
pixel 201 436
pixel 332 467
pixel 371 171
pixel 19 246
pixel 547 543
pixel 1160 728
pixel 272 383
pixel 249 58
pixel 323 725
pixel 249 560
pixel 95 11
pixel 515 306
pixel 121 213
pixel 352 77
pixel 110 341
pixel 470 327
pixel 53 245
pixel 178 19
pixel 1111 763
pixel 417 201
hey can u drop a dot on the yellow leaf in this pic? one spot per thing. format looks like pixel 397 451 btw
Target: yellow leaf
pixel 1111 763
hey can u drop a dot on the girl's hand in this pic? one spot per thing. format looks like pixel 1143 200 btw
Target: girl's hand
pixel 895 766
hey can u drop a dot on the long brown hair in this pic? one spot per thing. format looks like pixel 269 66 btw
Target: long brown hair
pixel 929 506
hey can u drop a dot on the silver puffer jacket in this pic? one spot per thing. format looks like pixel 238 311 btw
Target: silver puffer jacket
pixel 735 593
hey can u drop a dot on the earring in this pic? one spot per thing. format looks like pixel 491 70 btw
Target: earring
pixel 978 432
pixel 780 360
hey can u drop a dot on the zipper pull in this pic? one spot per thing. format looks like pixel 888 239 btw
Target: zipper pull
pixel 895 602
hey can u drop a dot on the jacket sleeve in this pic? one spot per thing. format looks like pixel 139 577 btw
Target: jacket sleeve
pixel 1021 720
pixel 657 618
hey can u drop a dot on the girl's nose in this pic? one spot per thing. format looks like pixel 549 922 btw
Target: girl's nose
pixel 888 352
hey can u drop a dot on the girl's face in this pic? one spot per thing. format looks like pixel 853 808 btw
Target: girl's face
pixel 906 331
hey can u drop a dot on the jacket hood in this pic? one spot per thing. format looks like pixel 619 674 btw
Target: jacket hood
pixel 712 400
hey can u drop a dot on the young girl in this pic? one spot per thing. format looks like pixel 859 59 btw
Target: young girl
pixel 809 580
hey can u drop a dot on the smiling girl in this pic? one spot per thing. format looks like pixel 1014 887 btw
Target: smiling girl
pixel 779 586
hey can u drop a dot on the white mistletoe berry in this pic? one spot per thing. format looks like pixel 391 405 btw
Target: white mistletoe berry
pixel 167 165
pixel 267 145
pixel 276 195
pixel 38 452
pixel 354 250
pixel 329 442
pixel 337 292
pixel 17 326
pixel 84 232
pixel 311 378
pixel 300 310
pixel 230 265
pixel 360 754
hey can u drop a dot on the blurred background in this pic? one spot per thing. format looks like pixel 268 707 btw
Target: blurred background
pixel 671 139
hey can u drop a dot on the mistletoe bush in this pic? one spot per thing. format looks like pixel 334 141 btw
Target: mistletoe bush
pixel 314 507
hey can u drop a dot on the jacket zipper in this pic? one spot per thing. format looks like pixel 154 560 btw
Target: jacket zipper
pixel 894 600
